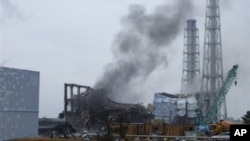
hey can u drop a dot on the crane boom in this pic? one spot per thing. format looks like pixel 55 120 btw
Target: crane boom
pixel 215 107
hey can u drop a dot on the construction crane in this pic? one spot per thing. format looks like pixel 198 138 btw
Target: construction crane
pixel 215 107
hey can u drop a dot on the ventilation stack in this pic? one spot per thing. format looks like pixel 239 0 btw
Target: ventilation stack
pixel 191 59
pixel 212 75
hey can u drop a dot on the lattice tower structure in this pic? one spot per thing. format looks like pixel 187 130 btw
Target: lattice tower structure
pixel 191 59
pixel 212 73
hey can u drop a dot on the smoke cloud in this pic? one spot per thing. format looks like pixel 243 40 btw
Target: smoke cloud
pixel 9 10
pixel 141 47
pixel 226 3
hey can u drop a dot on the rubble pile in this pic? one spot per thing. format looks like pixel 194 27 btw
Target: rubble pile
pixel 93 109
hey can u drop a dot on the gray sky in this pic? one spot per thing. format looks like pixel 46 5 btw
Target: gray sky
pixel 70 42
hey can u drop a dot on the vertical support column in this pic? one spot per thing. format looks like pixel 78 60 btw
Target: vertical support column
pixel 71 98
pixel 65 102
pixel 78 90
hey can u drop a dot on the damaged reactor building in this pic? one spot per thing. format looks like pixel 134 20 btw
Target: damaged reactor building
pixel 89 108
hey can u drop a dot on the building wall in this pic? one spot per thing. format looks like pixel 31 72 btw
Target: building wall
pixel 175 108
pixel 19 103
pixel 165 107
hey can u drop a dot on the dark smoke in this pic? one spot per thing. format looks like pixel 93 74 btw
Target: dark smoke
pixel 141 47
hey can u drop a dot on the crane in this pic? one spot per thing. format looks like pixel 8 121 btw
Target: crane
pixel 215 107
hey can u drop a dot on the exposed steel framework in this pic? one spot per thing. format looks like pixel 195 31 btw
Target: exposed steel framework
pixel 191 59
pixel 212 75
pixel 70 103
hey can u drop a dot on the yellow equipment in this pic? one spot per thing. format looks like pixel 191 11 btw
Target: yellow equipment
pixel 222 126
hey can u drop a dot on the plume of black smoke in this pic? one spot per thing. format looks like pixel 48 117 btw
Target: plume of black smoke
pixel 141 47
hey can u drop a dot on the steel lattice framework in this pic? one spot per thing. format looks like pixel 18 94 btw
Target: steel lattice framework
pixel 191 59
pixel 212 75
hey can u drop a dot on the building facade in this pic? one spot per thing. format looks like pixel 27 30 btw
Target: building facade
pixel 175 109
pixel 19 103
